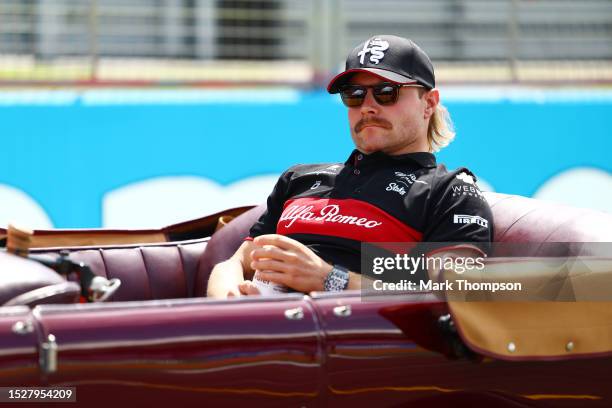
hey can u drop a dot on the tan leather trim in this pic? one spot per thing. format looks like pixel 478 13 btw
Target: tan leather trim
pixel 208 223
pixel 91 238
pixel 18 240
pixel 223 221
pixel 503 328
pixel 199 228
pixel 535 329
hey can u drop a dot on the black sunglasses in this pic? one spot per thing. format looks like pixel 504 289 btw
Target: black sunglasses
pixel 385 93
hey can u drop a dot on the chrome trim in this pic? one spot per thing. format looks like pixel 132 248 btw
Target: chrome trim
pixel 297 313
pixel 48 355
pixel 23 327
pixel 343 311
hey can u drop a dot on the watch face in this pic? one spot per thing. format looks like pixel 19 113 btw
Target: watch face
pixel 336 281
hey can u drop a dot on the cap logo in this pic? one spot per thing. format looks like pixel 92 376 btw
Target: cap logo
pixel 375 47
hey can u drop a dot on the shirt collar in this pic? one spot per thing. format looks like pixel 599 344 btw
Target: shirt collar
pixel 423 159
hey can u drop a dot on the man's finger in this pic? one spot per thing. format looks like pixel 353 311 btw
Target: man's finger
pixel 280 241
pixel 272 252
pixel 272 265
pixel 233 293
pixel 248 288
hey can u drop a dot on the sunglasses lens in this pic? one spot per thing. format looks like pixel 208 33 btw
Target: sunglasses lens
pixel 385 94
pixel 353 95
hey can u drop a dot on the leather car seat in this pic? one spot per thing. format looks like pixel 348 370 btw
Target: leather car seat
pixel 223 244
pixel 516 219
pixel 27 282
pixel 65 292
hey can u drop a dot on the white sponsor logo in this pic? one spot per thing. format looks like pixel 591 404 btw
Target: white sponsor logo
pixel 375 48
pixel 471 191
pixel 396 188
pixel 408 179
pixel 466 190
pixel 329 213
pixel 316 185
pixel 466 178
pixel 470 219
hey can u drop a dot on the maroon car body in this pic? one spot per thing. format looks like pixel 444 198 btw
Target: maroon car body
pixel 158 344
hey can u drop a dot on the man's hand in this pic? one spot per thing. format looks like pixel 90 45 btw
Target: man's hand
pixel 245 288
pixel 227 279
pixel 283 260
pixel 248 288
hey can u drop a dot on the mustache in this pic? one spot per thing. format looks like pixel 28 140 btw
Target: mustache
pixel 371 121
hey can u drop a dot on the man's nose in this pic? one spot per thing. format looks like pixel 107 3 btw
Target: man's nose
pixel 369 105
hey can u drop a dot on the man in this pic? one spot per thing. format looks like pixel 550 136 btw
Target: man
pixel 389 190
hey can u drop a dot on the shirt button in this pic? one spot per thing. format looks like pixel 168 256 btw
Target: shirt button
pixel 356 172
pixel 359 156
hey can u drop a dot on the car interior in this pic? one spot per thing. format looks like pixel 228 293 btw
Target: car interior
pixel 176 261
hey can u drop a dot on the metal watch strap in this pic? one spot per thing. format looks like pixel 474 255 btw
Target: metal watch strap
pixel 337 279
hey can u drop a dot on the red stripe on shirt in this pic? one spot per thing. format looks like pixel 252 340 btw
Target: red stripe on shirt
pixel 348 218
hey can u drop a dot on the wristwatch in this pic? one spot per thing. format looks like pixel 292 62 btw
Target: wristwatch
pixel 337 279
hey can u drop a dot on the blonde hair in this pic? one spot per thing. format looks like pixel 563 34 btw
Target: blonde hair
pixel 440 131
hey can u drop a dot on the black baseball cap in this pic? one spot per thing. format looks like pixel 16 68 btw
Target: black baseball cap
pixel 389 57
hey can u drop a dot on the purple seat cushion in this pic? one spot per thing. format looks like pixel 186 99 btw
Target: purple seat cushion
pixel 224 243
pixel 20 275
pixel 65 292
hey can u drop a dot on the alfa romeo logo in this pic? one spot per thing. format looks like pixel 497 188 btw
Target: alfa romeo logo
pixel 375 47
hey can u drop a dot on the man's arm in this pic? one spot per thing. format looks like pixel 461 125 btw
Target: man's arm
pixel 288 262
pixel 226 277
pixel 280 259
pixel 354 282
pixel 466 252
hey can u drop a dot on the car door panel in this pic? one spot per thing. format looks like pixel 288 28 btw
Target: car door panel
pixel 370 361
pixel 19 352
pixel 221 352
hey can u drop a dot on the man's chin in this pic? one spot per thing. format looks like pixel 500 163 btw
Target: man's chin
pixel 368 148
pixel 371 144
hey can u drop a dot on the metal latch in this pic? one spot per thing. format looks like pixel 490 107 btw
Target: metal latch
pixel 342 311
pixel 294 314
pixel 48 355
pixel 23 327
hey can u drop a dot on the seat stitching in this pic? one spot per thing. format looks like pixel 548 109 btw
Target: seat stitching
pixel 495 204
pixel 179 248
pixel 499 201
pixel 106 274
pixel 517 220
pixel 581 214
pixel 144 262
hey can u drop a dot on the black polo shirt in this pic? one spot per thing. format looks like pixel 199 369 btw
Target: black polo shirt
pixel 333 208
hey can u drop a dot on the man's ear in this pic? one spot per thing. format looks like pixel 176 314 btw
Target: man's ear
pixel 432 99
